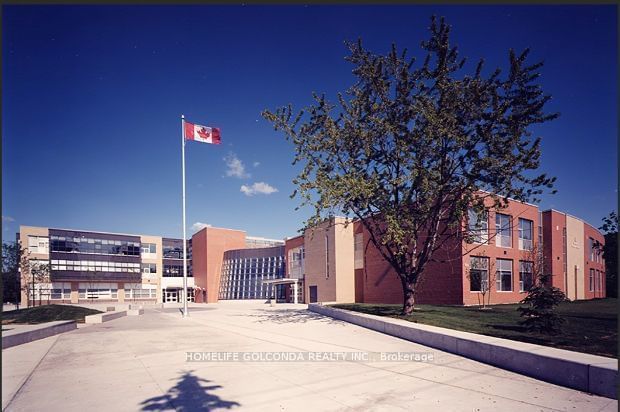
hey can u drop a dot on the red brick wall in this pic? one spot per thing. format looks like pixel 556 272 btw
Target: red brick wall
pixel 439 284
pixel 516 210
pixel 446 279
pixel 554 224
pixel 591 232
pixel 208 247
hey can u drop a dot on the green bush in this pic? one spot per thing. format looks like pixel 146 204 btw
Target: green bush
pixel 539 314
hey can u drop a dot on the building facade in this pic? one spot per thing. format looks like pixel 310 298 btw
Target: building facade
pixel 88 266
pixel 497 261
pixel 92 266
pixel 573 251
pixel 244 272
pixel 495 256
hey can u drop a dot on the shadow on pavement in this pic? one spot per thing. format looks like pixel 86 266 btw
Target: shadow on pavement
pixel 188 395
pixel 290 316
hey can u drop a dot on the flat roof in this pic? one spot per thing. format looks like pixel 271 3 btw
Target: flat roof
pixel 574 217
pixel 263 239
pixel 281 281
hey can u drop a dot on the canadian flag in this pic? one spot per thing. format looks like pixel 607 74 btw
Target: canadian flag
pixel 202 133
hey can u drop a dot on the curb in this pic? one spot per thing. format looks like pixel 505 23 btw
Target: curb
pixel 581 371
pixel 46 331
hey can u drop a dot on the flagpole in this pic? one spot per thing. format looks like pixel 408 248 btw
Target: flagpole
pixel 185 313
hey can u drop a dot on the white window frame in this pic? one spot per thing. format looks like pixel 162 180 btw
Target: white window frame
pixel 38 244
pixel 500 238
pixel 526 244
pixel 500 273
pixel 522 272
pixel 358 251
pixel 484 268
pixel 478 226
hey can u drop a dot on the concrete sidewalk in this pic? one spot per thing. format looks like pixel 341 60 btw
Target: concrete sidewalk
pixel 19 362
pixel 139 363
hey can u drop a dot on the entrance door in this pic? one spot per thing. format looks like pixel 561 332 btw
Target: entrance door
pixel 172 295
pixel 313 294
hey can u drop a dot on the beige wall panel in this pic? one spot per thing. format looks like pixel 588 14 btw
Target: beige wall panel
pixel 344 256
pixel 316 264
pixel 575 258
pixel 154 278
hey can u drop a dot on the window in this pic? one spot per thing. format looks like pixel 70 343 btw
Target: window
pixel 540 232
pixel 478 274
pixel 478 226
pixel 38 244
pixel 38 264
pixel 591 248
pixel 591 280
pixel 148 248
pixel 139 291
pixel 504 275
pixel 89 290
pixel 295 260
pixel 503 230
pixel 598 284
pixel 172 271
pixel 149 268
pixel 60 291
pixel 525 234
pixel 94 266
pixel 94 246
pixel 359 251
pixel 326 256
pixel 171 252
pixel 564 254
pixel 526 276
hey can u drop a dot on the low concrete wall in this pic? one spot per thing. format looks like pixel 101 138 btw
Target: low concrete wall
pixel 37 332
pixel 104 317
pixel 135 312
pixel 588 373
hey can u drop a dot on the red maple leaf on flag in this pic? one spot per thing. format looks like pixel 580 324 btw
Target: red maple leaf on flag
pixel 203 133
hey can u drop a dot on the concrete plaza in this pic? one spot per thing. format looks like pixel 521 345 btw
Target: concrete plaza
pixel 140 363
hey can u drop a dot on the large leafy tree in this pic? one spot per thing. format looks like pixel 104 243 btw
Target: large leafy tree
pixel 409 147
pixel 610 254
pixel 11 261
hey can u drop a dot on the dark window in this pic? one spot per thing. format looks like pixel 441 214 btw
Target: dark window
pixel 478 274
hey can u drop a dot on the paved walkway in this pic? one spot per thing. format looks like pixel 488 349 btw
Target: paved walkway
pixel 139 363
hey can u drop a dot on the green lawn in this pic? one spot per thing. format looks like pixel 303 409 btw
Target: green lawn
pixel 590 327
pixel 46 313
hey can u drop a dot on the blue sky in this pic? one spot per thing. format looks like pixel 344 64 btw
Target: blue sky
pixel 92 98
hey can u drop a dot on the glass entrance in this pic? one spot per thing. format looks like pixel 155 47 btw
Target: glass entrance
pixel 190 295
pixel 171 295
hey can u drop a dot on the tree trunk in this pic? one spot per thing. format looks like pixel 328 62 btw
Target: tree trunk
pixel 408 299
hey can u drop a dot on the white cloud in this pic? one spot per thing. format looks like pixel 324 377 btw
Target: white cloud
pixel 199 226
pixel 256 164
pixel 7 219
pixel 261 188
pixel 235 167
